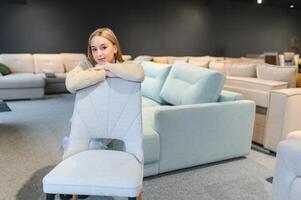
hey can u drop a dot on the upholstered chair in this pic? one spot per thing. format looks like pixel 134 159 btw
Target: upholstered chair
pixel 108 110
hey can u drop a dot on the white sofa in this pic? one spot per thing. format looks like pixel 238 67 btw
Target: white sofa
pixel 271 87
pixel 27 80
pixel 287 181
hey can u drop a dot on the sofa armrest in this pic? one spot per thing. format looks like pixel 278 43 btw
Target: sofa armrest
pixel 190 134
pixel 288 167
pixel 283 116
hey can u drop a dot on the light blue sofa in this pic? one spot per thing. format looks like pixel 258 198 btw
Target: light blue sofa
pixel 188 120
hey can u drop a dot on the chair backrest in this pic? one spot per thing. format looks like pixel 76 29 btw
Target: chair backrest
pixel 110 109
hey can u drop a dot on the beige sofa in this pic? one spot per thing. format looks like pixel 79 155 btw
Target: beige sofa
pixel 28 79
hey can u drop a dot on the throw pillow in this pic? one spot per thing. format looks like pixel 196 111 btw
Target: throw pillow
pixel 277 73
pixel 4 70
pixel 241 69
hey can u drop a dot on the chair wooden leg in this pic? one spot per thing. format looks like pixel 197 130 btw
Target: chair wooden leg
pixel 75 197
pixel 139 196
pixel 50 196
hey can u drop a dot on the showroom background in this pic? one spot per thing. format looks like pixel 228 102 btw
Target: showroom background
pixel 167 27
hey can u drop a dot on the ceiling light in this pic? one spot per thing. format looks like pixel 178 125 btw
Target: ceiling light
pixel 292 6
pixel 259 1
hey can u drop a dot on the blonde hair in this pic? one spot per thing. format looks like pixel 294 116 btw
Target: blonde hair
pixel 109 35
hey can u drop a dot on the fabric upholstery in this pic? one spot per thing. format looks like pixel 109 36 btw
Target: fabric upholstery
pixel 286 179
pixel 48 61
pixel 117 115
pixel 204 64
pixel 241 69
pixel 21 80
pixel 155 75
pixel 283 116
pixel 18 63
pixel 217 66
pixel 197 85
pixel 91 173
pixel 277 73
pixel 161 59
pixel 71 60
pixel 187 131
pixel 172 59
pixel 147 102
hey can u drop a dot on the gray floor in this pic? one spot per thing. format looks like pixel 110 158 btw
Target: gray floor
pixel 30 138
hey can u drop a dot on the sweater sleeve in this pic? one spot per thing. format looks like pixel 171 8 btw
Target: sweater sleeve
pixel 79 78
pixel 127 70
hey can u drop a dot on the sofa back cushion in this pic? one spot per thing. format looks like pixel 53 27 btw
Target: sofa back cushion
pixel 18 63
pixel 277 73
pixel 155 75
pixel 218 66
pixel 173 59
pixel 52 62
pixel 204 64
pixel 241 69
pixel 188 84
pixel 71 60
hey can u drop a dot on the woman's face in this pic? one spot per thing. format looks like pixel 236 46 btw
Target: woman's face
pixel 103 50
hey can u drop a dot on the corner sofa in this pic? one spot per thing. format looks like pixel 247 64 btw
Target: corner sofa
pixel 188 120
pixel 28 79
pixel 273 88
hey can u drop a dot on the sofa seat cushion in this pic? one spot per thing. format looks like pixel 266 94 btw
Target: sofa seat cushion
pixel 147 102
pixel 151 139
pixel 155 75
pixel 59 78
pixel 188 84
pixel 255 83
pixel 21 80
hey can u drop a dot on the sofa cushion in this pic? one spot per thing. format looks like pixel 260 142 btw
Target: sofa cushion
pixel 204 64
pixel 21 80
pixel 151 139
pixel 48 61
pixel 229 96
pixel 254 83
pixel 4 70
pixel 253 89
pixel 277 73
pixel 172 59
pixel 18 63
pixel 71 60
pixel 147 102
pixel 217 66
pixel 143 58
pixel 161 59
pixel 241 69
pixel 155 75
pixel 187 84
pixel 58 78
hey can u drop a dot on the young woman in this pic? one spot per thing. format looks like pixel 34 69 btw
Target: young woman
pixel 104 59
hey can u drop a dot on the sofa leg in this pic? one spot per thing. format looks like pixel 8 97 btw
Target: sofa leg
pixel 50 196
